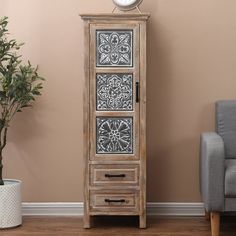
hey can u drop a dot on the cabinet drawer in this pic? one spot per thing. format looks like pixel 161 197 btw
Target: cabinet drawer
pixel 114 175
pixel 113 202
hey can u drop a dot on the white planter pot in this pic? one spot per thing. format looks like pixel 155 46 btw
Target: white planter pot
pixel 10 203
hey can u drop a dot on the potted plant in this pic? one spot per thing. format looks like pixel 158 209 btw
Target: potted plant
pixel 19 84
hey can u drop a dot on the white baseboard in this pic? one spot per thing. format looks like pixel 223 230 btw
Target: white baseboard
pixel 175 209
pixel 76 209
pixel 52 208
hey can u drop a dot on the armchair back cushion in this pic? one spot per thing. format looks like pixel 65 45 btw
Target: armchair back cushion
pixel 226 126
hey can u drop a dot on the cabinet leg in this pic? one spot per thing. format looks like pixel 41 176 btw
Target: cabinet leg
pixel 142 222
pixel 87 221
pixel 207 215
pixel 215 223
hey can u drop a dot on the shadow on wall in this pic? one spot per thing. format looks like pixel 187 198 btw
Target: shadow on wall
pixel 166 154
pixel 158 105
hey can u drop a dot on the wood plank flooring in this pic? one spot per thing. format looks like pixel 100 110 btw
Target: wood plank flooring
pixel 119 226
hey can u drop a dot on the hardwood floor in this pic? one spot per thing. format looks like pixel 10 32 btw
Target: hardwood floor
pixel 119 226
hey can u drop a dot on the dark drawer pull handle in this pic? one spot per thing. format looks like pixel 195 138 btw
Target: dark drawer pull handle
pixel 115 201
pixel 115 176
pixel 137 92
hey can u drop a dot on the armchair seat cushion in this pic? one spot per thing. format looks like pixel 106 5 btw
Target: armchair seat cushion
pixel 230 178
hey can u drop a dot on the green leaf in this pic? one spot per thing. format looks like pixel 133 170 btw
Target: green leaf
pixel 27 105
pixel 19 83
pixel 2 94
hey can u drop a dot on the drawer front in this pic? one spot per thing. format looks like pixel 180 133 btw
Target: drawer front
pixel 114 175
pixel 114 202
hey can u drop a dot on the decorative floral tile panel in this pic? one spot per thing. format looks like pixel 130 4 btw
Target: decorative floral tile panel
pixel 114 92
pixel 114 135
pixel 114 48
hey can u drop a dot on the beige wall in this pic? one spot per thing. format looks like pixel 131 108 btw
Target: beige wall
pixel 191 64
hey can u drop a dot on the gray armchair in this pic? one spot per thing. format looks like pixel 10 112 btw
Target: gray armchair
pixel 218 165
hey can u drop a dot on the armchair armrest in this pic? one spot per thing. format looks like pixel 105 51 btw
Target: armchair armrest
pixel 212 161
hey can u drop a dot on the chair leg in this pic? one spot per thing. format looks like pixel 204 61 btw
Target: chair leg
pixel 215 223
pixel 207 215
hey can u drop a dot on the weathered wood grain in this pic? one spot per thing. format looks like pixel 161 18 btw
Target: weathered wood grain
pixel 132 190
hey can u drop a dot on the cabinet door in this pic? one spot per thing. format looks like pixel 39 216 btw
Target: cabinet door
pixel 114 91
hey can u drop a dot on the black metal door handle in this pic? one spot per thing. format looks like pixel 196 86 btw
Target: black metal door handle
pixel 115 201
pixel 115 176
pixel 137 91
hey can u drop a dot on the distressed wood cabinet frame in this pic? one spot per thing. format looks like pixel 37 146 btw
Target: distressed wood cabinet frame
pixel 125 195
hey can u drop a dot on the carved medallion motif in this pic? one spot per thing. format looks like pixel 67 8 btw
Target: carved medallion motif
pixel 114 92
pixel 114 135
pixel 114 48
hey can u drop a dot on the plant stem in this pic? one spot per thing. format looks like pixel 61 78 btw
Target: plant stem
pixel 3 141
pixel 1 167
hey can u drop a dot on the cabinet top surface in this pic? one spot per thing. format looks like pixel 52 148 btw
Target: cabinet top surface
pixel 120 16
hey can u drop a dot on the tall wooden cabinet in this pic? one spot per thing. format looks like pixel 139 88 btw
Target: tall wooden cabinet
pixel 115 115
